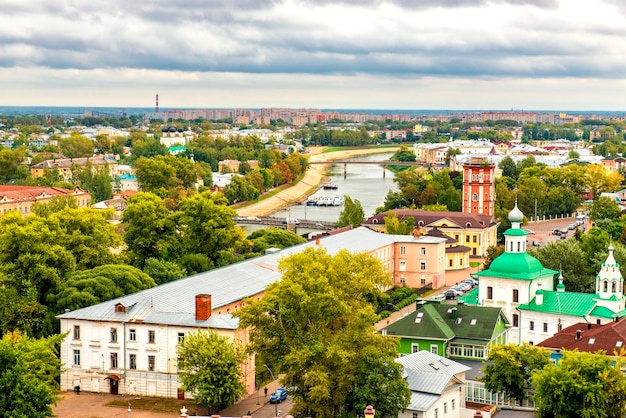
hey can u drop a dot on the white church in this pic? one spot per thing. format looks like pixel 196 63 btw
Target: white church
pixel 525 290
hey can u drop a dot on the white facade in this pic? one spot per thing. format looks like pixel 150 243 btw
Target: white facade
pixel 129 358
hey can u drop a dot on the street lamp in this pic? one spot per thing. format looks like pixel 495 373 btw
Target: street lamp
pixel 369 411
pixel 275 394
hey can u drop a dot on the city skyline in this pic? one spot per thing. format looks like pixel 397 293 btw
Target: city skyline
pixel 443 54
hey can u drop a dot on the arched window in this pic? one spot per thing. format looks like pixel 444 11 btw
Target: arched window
pixel 613 287
pixel 605 286
pixel 489 292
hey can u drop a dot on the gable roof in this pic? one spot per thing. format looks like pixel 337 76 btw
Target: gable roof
pixel 589 337
pixel 566 303
pixel 458 219
pixel 428 376
pixel 173 303
pixel 443 321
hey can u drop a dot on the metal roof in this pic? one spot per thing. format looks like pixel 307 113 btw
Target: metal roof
pixel 421 401
pixel 173 303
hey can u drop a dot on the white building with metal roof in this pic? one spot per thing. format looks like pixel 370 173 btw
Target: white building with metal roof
pixel 437 386
pixel 128 344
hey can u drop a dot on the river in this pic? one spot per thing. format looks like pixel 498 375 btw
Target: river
pixel 364 182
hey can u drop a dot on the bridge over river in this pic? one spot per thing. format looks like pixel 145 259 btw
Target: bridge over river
pixel 303 227
pixel 383 163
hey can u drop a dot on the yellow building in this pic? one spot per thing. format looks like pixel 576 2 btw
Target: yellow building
pixel 65 165
pixel 22 198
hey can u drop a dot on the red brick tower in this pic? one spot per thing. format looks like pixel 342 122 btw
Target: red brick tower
pixel 479 186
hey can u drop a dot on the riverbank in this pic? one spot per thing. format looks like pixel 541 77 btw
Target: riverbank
pixel 310 182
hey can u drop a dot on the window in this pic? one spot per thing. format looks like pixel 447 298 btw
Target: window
pixel 114 360
pixel 132 335
pixel 402 265
pixel 445 407
pixel 77 332
pixel 545 327
pixel 436 413
pixel 516 320
pixel 515 295
pixel 422 265
pixel 467 238
pixel 450 263
pixel 76 357
pixel 423 251
pixel 532 325
pixel 113 335
pixel 423 280
pixel 434 349
pixel 475 197
pixel 181 337
pixel 474 238
pixel 489 292
pixel 132 361
pixel 402 250
pixel 151 336
pixel 416 415
pixel 452 404
pixel 151 363
pixel 415 348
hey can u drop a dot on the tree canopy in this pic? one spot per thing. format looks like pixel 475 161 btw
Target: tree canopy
pixel 352 213
pixel 315 327
pixel 209 366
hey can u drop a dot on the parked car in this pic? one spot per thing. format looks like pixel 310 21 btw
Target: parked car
pixel 571 226
pixel 536 244
pixel 278 396
pixel 458 291
pixel 291 221
pixel 450 294
pixel 556 232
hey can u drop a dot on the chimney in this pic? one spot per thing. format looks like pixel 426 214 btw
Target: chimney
pixel 578 334
pixel 203 307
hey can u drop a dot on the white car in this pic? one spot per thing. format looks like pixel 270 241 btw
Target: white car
pixel 291 221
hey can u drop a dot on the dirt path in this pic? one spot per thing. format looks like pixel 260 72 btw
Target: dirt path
pixel 312 180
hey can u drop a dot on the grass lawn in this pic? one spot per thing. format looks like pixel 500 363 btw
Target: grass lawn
pixel 147 403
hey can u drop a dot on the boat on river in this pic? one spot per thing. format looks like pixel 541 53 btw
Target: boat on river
pixel 330 186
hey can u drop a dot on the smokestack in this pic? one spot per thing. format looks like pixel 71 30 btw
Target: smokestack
pixel 578 334
pixel 157 103
pixel 203 307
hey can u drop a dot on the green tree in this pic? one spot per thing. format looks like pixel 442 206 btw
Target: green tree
pixel 493 252
pixel 393 225
pixel 604 207
pixel 76 146
pixel 509 368
pixel 568 257
pixel 209 366
pixel 509 168
pixel 163 271
pixel 581 385
pixel 90 287
pixel 352 213
pixel 29 370
pixel 265 238
pixel 149 230
pixel 315 327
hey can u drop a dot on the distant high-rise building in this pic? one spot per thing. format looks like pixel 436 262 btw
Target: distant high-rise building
pixel 479 186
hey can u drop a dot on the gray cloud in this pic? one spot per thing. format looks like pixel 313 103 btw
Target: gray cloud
pixel 259 36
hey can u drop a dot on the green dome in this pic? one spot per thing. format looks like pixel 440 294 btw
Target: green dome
pixel 514 264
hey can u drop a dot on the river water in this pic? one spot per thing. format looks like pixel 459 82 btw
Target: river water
pixel 364 182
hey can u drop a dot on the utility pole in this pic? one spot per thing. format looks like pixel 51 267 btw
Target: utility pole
pixel 275 394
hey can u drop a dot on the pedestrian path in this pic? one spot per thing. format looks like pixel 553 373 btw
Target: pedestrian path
pixel 251 403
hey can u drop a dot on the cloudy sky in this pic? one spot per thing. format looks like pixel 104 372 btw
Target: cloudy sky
pixel 390 54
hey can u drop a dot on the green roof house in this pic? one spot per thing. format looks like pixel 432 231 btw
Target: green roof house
pixel 520 285
pixel 453 331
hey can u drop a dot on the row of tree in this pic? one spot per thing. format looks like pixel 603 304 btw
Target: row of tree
pixel 581 384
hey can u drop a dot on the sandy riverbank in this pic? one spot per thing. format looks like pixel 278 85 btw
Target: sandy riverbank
pixel 312 180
